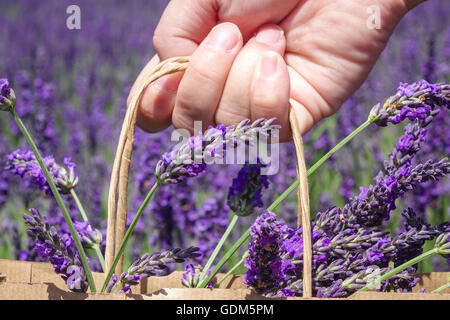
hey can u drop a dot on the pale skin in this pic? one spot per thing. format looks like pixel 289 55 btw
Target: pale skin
pixel 257 58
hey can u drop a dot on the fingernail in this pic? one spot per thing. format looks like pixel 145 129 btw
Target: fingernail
pixel 270 35
pixel 269 64
pixel 225 37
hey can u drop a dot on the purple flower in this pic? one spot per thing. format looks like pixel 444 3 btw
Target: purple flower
pixel 59 249
pixel 152 265
pixel 245 193
pixel 7 96
pixel 341 265
pixel 443 244
pixel 419 100
pixel 191 277
pixel 264 254
pixel 373 256
pixel 412 236
pixel 24 164
pixel 89 236
pixel 191 158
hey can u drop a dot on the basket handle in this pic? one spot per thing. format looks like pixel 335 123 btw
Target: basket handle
pixel 118 187
pixel 303 211
pixel 117 220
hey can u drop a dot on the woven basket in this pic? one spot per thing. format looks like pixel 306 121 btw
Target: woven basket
pixel 31 280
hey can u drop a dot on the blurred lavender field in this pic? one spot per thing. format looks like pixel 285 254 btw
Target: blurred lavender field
pixel 72 87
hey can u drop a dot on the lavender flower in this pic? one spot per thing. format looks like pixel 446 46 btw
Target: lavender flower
pixel 191 158
pixel 412 236
pixel 24 163
pixel 413 101
pixel 60 250
pixel 245 193
pixel 349 248
pixel 151 265
pixel 191 277
pixel 264 262
pixel 89 236
pixel 7 96
pixel 443 244
pixel 4 187
pixel 375 202
pixel 342 264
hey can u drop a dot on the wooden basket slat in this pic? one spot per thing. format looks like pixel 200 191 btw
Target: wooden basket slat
pixel 37 281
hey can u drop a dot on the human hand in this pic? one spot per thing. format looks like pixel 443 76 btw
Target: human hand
pixel 237 69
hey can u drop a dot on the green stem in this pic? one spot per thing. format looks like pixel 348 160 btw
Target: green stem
pixel 128 234
pixel 219 246
pixel 96 247
pixel 400 268
pixel 339 146
pixel 445 286
pixel 99 253
pixel 225 258
pixel 282 197
pixel 79 205
pixel 58 199
pixel 237 265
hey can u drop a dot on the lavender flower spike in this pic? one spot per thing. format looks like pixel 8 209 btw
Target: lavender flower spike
pixel 24 163
pixel 154 265
pixel 413 101
pixel 60 250
pixel 245 193
pixel 191 277
pixel 443 244
pixel 190 159
pixel 89 236
pixel 7 96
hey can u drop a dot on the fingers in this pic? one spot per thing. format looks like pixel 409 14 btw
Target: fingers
pixel 269 92
pixel 223 83
pixel 156 107
pixel 202 85
pixel 258 83
pixel 185 23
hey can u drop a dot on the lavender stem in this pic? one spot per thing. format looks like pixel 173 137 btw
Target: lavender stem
pixel 400 268
pixel 442 288
pixel 58 199
pixel 96 247
pixel 237 265
pixel 218 247
pixel 128 234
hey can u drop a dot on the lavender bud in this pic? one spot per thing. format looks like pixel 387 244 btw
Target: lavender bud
pixel 443 244
pixel 7 96
pixel 90 237
pixel 112 283
pixel 191 277
pixel 154 265
pixel 24 164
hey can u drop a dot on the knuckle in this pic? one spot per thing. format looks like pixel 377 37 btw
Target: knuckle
pixel 158 40
pixel 231 115
pixel 267 103
pixel 204 73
